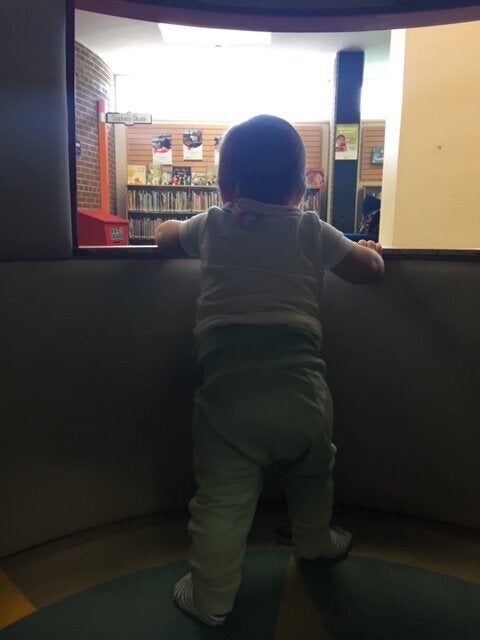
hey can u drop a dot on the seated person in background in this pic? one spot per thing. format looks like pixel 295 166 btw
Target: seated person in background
pixel 370 223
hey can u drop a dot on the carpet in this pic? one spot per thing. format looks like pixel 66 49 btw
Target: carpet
pixel 354 599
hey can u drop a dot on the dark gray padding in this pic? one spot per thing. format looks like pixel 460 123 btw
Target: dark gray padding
pixel 404 370
pixel 96 391
pixel 35 187
pixel 97 379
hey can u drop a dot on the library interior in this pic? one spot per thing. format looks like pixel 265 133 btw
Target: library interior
pixel 113 116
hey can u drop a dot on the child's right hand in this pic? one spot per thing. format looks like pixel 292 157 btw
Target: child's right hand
pixel 371 244
pixel 359 266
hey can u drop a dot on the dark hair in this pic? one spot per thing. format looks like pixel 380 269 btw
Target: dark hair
pixel 262 158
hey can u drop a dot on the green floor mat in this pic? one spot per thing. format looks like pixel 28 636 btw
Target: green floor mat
pixel 359 599
pixel 140 607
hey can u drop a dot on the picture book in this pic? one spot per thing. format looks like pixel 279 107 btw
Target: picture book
pixel 211 174
pixel 182 176
pixel 136 174
pixel 154 174
pixel 199 177
pixel 166 175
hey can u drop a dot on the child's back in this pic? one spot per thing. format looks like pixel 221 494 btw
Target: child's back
pixel 264 398
pixel 261 264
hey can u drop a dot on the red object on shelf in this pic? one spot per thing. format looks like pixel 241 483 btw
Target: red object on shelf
pixel 98 229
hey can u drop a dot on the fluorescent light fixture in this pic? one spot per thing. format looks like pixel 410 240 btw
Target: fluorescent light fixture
pixel 179 35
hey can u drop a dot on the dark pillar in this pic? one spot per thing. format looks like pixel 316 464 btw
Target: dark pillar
pixel 348 87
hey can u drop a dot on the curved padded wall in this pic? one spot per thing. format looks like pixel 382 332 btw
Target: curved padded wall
pixel 35 184
pixel 97 379
pixel 403 367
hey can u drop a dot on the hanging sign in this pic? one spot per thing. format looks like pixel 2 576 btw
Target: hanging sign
pixel 129 118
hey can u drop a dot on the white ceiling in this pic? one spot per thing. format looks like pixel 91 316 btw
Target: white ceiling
pixel 134 46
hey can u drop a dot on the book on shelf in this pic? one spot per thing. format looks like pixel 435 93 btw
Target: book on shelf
pixel 143 228
pixel 311 201
pixel 154 174
pixel 211 174
pixel 181 176
pixel 136 174
pixel 166 178
pixel 199 178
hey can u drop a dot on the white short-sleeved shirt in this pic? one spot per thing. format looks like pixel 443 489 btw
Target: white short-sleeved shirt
pixel 261 264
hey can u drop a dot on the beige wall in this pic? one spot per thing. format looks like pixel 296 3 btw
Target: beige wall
pixel 431 182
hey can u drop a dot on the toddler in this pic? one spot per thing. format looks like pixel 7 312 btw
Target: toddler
pixel 263 397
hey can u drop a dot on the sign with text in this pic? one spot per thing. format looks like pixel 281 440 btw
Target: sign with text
pixel 129 118
pixel 346 141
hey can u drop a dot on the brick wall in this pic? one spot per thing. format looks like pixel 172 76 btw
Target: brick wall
pixel 93 82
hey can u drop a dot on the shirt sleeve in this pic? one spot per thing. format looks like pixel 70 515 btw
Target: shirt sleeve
pixel 190 232
pixel 335 245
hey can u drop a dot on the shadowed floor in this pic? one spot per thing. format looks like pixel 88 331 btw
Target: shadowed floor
pixel 405 578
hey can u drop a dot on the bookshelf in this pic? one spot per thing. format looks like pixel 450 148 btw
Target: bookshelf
pixel 149 204
pixel 312 200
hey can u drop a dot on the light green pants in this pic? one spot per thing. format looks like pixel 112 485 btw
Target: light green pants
pixel 263 400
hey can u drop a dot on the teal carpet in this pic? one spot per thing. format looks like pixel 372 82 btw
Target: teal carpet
pixel 359 599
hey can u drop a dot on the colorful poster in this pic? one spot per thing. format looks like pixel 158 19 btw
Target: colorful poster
pixel 192 145
pixel 346 141
pixel 162 149
pixel 377 155
pixel 314 178
pixel 216 149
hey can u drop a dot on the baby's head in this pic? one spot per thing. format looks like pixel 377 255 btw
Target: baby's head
pixel 263 159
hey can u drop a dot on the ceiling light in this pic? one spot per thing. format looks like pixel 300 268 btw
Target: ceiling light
pixel 175 34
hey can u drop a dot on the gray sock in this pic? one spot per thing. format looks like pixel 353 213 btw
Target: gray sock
pixel 183 597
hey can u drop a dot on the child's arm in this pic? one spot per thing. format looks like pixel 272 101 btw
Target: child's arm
pixel 168 240
pixel 363 263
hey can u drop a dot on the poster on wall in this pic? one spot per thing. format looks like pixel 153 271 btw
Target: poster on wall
pixel 162 149
pixel 346 141
pixel 216 149
pixel 192 144
pixel 377 155
pixel 314 177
